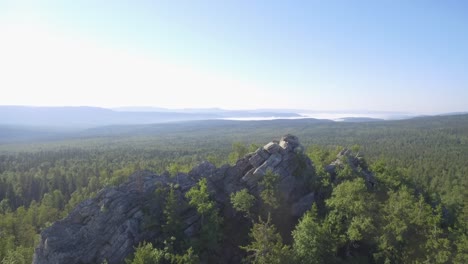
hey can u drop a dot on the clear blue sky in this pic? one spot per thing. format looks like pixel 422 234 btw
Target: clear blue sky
pixel 322 55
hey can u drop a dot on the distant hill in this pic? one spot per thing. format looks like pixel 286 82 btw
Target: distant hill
pixel 19 132
pixel 90 117
pixel 360 119
pixel 86 117
pixel 454 113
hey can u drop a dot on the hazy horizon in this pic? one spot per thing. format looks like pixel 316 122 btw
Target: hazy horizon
pixel 396 56
pixel 146 108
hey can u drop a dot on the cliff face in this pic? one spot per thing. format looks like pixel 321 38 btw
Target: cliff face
pixel 109 226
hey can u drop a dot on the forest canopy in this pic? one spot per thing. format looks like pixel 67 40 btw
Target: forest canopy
pixel 416 213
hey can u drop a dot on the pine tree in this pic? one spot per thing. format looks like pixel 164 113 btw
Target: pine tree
pixel 210 233
pixel 266 246
pixel 311 240
pixel 242 201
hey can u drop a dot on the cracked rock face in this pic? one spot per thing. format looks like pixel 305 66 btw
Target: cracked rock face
pixel 284 159
pixel 105 227
pixel 109 226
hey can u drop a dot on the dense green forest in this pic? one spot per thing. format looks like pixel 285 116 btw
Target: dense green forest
pixel 417 213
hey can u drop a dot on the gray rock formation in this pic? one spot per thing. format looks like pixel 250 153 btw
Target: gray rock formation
pixel 304 204
pixel 109 226
pixel 105 227
pixel 272 147
pixel 357 164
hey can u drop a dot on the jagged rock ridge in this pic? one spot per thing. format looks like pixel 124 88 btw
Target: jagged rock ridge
pixel 109 226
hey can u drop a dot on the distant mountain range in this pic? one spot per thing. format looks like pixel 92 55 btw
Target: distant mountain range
pixel 361 119
pixel 26 124
pixel 72 118
pixel 86 117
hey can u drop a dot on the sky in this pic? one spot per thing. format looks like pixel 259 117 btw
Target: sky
pixel 405 56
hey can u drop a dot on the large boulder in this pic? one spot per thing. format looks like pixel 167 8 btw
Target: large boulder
pixel 272 147
pixel 259 157
pixel 269 164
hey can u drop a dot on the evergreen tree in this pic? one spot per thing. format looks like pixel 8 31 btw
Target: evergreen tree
pixel 351 216
pixel 242 201
pixel 266 246
pixel 172 226
pixel 210 233
pixel 311 240
pixel 270 193
pixel 145 253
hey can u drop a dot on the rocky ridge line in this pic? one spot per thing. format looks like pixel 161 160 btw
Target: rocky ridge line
pixel 109 226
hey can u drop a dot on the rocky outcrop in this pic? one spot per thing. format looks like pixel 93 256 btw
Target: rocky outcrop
pixel 103 228
pixel 304 204
pixel 109 226
pixel 284 159
pixel 355 161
